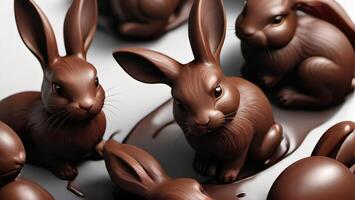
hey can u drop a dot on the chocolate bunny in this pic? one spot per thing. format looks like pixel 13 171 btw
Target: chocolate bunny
pixel 338 142
pixel 224 119
pixel 64 122
pixel 325 178
pixel 12 159
pixel 307 60
pixel 136 171
pixel 313 178
pixel 144 19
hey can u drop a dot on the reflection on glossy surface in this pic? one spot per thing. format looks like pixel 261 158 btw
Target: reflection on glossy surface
pixel 314 178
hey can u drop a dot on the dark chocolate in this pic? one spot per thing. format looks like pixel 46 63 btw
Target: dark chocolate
pixel 64 122
pixel 227 120
pixel 143 19
pixel 12 159
pixel 314 178
pixel 136 171
pixel 305 61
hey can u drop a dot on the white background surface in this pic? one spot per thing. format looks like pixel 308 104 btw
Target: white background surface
pixel 20 71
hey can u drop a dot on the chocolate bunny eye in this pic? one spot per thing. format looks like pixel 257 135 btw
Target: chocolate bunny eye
pixel 218 91
pixel 97 82
pixel 278 19
pixel 57 88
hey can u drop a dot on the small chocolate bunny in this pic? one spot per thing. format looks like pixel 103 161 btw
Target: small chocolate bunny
pixel 64 122
pixel 136 171
pixel 12 159
pixel 224 119
pixel 338 142
pixel 144 19
pixel 307 60
pixel 313 178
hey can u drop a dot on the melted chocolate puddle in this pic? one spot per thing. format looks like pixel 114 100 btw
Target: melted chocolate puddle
pixel 176 156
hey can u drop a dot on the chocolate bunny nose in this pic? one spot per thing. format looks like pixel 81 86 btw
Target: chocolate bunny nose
pixel 87 104
pixel 202 123
pixel 248 31
pixel 86 107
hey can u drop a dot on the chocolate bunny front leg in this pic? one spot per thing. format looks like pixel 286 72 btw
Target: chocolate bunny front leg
pixel 231 168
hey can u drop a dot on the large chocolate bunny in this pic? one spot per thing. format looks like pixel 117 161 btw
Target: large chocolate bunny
pixel 64 122
pixel 324 178
pixel 144 19
pixel 307 60
pixel 136 171
pixel 225 119
pixel 12 159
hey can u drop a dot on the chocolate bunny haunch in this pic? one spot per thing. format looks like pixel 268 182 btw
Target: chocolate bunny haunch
pixel 136 171
pixel 308 60
pixel 64 122
pixel 12 159
pixel 144 19
pixel 225 119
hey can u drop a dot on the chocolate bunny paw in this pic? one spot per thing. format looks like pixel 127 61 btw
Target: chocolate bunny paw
pixel 204 167
pixel 65 171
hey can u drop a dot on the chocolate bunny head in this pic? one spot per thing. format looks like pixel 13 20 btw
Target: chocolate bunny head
pixel 272 24
pixel 70 83
pixel 12 154
pixel 136 171
pixel 204 97
pixel 312 178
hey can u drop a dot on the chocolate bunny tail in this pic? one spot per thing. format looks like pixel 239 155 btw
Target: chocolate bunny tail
pixel 338 143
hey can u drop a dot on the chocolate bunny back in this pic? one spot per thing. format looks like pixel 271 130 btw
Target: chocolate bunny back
pixel 136 171
pixel 308 60
pixel 64 122
pixel 225 119
pixel 12 159
pixel 144 19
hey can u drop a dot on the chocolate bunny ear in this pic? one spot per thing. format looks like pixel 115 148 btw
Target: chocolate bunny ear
pixel 80 27
pixel 36 31
pixel 207 28
pixel 148 66
pixel 133 169
pixel 338 142
pixel 332 12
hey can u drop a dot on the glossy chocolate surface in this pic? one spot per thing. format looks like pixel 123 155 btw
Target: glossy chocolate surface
pixel 143 19
pixel 12 159
pixel 227 120
pixel 63 123
pixel 314 178
pixel 305 61
pixel 134 170
pixel 338 142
